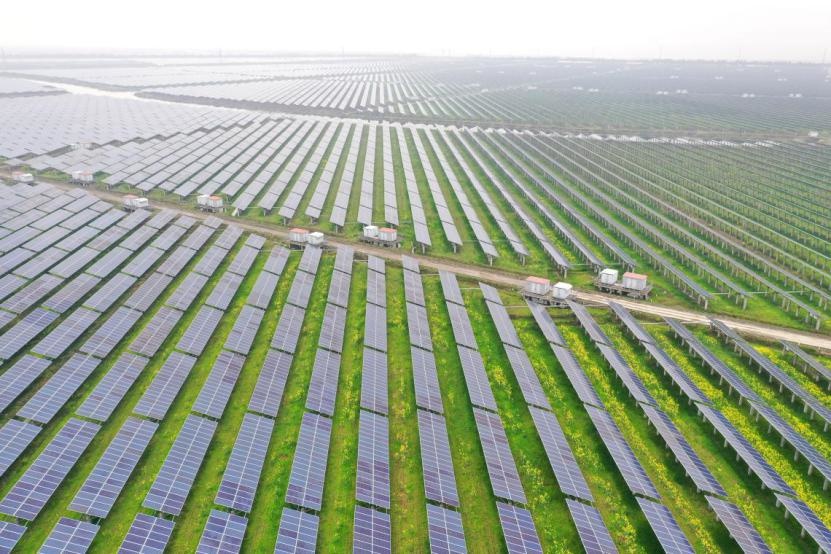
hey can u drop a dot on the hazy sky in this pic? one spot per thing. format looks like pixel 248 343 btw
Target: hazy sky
pixel 708 29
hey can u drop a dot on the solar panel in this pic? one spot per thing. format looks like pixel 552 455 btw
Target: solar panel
pixel 301 289
pixel 343 259
pixel 310 260
pixel 323 386
pixel 737 441
pixel 168 237
pixel 288 329
pixel 51 397
pixel 110 333
pixel 176 477
pixel 176 262
pixel 242 474
pixel 10 533
pixel 143 261
pixel 199 331
pixel 339 289
pixel 374 381
pixel 560 456
pixel 187 291
pixel 147 535
pixel 633 473
pixel 437 464
pixel 15 436
pixel 197 239
pixel 527 378
pixel 678 375
pixel 418 326
pixel 276 261
pixel 219 385
pixel 157 330
pixel 502 321
pixel 376 289
pixel 101 402
pixel 308 471
pixel 626 374
pixel 18 377
pixel 375 327
pixel 669 534
pixel 71 293
pixel 738 526
pixel 588 323
pixel 148 292
pixel 223 533
pixel 40 481
pixel 373 480
pixel 476 379
pixel 165 386
pixel 631 323
pixel 31 294
pixel 462 329
pixel 808 520
pixel 224 291
pixel 263 290
pixel 243 261
pixel 210 260
pixel 109 292
pixel 576 376
pixel 69 535
pixel 413 290
pixel 372 533
pixel 445 529
pixel 498 458
pixel 704 480
pixel 518 528
pixel 546 324
pixel 61 337
pixel 102 487
pixel 590 527
pixel 270 384
pixel 450 286
pixel 242 334
pixel 298 532
pixel 229 237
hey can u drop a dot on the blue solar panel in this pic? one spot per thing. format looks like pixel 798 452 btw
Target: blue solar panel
pixel 199 331
pixel 147 535
pixel 157 330
pixel 298 532
pixel 560 456
pixel 111 389
pixel 176 477
pixel 373 481
pixel 308 471
pixel 591 529
pixel 219 385
pixel 52 396
pixel 426 380
pixel 737 524
pixel 372 532
pixel 374 395
pixel 242 474
pixel 15 436
pixel 518 528
pixel 40 481
pixel 669 534
pixel 502 469
pixel 447 536
pixel 223 533
pixel 18 377
pixel 323 387
pixel 65 333
pixel 165 386
pixel 69 536
pixel 476 379
pixel 10 533
pixel 437 464
pixel 101 489
pixel 270 384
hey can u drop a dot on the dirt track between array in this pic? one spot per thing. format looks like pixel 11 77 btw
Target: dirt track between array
pixel 746 327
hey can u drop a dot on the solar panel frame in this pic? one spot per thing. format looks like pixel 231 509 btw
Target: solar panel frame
pixel 175 479
pixel 518 529
pixel 104 484
pixel 297 533
pixel 445 530
pixel 242 473
pixel 70 535
pixel 35 487
pixel 372 532
pixel 223 533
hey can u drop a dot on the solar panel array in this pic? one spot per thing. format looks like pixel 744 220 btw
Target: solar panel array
pixel 36 486
pixel 219 385
pixel 15 436
pixel 165 386
pixel 174 480
pixel 298 530
pixel 667 530
pixel 70 535
pixel 10 534
pixel 242 474
pixel 147 535
pixel 223 533
pixel 590 527
pixel 102 487
pixel 738 526
pixel 372 532
pixel 518 528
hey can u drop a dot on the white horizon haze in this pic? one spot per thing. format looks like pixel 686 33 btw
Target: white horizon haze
pixel 761 30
